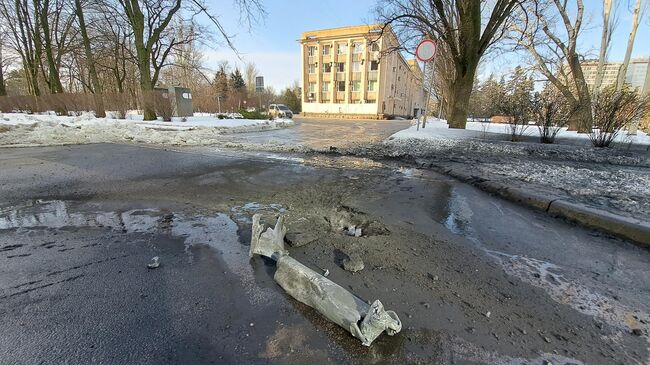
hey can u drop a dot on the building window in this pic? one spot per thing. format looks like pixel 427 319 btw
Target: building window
pixel 327 67
pixel 356 85
pixel 375 47
pixel 327 49
pixel 340 86
pixel 374 65
pixel 356 66
pixel 325 87
pixel 312 87
pixel 311 51
pixel 357 47
pixel 342 49
pixel 340 67
pixel 312 68
pixel 372 85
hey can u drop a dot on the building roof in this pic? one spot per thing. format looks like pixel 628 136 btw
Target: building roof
pixel 356 30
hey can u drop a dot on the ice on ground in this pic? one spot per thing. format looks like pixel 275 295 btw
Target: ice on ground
pixel 47 129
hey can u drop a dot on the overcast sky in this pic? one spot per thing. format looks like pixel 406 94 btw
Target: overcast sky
pixel 272 44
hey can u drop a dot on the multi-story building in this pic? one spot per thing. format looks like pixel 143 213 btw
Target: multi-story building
pixel 350 73
pixel 635 75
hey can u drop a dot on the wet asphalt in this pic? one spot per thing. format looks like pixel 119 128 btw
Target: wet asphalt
pixel 78 224
pixel 323 133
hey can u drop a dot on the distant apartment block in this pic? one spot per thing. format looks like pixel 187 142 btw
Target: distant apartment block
pixel 635 75
pixel 348 72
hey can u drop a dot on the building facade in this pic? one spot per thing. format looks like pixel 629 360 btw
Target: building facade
pixel 350 73
pixel 635 75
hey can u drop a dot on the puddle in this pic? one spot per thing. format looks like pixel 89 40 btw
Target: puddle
pixel 218 231
pixel 274 156
pixel 243 214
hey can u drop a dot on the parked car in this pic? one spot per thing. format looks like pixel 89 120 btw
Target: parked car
pixel 280 111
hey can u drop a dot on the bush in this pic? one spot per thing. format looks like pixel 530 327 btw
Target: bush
pixel 252 115
pixel 551 113
pixel 613 110
pixel 118 103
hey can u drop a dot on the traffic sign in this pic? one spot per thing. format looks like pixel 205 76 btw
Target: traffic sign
pixel 426 50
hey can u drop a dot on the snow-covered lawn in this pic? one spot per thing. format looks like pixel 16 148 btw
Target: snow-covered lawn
pixel 438 128
pixel 47 129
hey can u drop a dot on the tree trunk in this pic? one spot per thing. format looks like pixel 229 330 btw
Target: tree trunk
pixel 54 80
pixel 3 89
pixel 582 120
pixel 459 100
pixel 630 44
pixel 97 88
pixel 604 43
pixel 146 85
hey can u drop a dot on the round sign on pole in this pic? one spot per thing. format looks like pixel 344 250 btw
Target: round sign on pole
pixel 426 50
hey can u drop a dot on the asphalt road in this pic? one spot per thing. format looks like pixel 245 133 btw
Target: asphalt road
pixel 475 279
pixel 323 133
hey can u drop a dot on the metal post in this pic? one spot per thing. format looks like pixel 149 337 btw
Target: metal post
pixel 424 109
pixel 424 123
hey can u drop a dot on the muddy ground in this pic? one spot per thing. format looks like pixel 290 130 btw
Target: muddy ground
pixel 474 279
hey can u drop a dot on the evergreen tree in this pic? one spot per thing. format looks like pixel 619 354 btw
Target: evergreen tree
pixel 237 81
pixel 291 99
pixel 221 81
pixel 519 95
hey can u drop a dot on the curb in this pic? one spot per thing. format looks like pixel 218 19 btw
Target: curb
pixel 628 228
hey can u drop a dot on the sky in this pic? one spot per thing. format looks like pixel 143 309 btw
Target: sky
pixel 272 42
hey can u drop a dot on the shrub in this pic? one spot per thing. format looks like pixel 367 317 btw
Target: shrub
pixel 252 115
pixel 612 110
pixel 551 113
pixel 118 104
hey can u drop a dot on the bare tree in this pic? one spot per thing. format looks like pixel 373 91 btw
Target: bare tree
pixel 467 28
pixel 552 38
pixel 636 13
pixel 3 63
pixel 605 39
pixel 18 16
pixel 148 21
pixel 56 31
pixel 250 73
pixel 90 60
